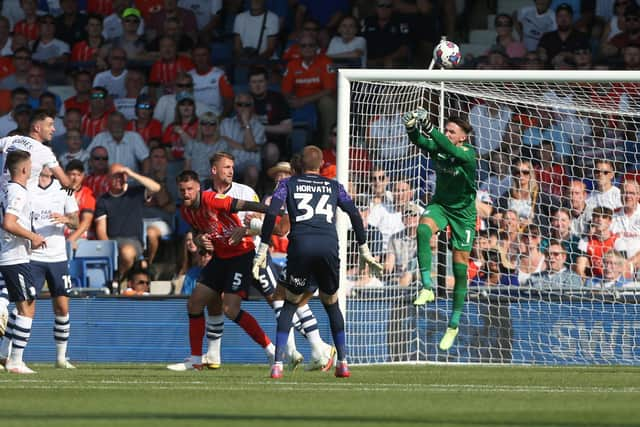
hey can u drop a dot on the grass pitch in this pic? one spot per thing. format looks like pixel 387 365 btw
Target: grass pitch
pixel 240 395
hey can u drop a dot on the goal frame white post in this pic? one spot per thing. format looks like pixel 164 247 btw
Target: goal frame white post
pixel 347 76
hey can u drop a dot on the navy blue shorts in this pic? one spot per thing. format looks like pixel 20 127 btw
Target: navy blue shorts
pixel 312 268
pixel 231 275
pixel 56 275
pixel 268 278
pixel 19 282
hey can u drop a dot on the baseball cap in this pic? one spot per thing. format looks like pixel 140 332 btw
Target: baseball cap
pixel 565 6
pixel 131 11
pixel 184 96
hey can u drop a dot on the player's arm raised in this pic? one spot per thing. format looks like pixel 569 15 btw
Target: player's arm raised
pixel 414 122
pixel 463 153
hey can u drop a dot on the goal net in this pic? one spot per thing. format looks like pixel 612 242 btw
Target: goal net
pixel 552 275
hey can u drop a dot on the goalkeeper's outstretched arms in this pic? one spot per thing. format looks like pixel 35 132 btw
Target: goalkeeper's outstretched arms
pixel 419 129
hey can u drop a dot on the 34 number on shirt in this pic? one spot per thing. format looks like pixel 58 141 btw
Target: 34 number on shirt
pixel 309 211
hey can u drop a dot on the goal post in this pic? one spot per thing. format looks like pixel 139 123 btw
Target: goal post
pixel 561 125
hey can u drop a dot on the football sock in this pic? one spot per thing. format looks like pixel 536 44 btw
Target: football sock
pixel 459 292
pixel 424 254
pixel 291 342
pixel 284 329
pixel 215 328
pixel 336 322
pixel 196 333
pixel 21 334
pixel 247 322
pixel 61 329
pixel 309 329
pixel 5 345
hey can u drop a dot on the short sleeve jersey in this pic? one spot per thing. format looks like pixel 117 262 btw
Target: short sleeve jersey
pixel 14 200
pixel 41 156
pixel 302 79
pixel 214 218
pixel 45 202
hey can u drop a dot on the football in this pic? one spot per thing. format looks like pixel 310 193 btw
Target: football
pixel 447 54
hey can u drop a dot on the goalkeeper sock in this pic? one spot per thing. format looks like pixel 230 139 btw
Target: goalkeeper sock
pixel 284 330
pixel 459 292
pixel 336 322
pixel 196 333
pixel 424 254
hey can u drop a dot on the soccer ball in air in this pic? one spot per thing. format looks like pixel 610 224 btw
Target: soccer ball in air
pixel 447 54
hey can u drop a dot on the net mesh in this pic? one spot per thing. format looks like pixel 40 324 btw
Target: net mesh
pixel 515 312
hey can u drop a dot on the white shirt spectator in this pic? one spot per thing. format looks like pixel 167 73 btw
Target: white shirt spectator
pixel 12 10
pixel 165 109
pixel 113 84
pixel 231 127
pixel 489 124
pixel 627 227
pixel 337 45
pixel 82 155
pixel 203 9
pixel 6 49
pixel 206 89
pixel 248 27
pixel 112 27
pixel 15 250
pixel 130 152
pixel 610 199
pixel 44 202
pixel 535 25
pixel 127 106
pixel 53 49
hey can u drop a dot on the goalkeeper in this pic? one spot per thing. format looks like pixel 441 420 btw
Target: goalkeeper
pixel 453 204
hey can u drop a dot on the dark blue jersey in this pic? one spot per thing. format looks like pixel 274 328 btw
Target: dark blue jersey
pixel 311 202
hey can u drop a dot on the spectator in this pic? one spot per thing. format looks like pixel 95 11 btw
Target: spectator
pixel 309 84
pixel 401 256
pixel 95 121
pixel 21 66
pixel 81 100
pixel 143 122
pixel 130 38
pixel 630 35
pixel 98 178
pixel 138 283
pixel 165 109
pixel 165 70
pixel 615 23
pixel 19 98
pixel 524 195
pixel 210 84
pixel 550 173
pixel 560 44
pixel 74 151
pixel 613 265
pixel 504 37
pixel 561 232
pixel 184 126
pixel 28 26
pixel 207 142
pixel 245 135
pixel 626 223
pixel 172 10
pixel 173 28
pixel 583 59
pixel 271 108
pixel 328 14
pixel 124 147
pixel 72 121
pixel 499 179
pixel 495 271
pixel 428 20
pixel 134 86
pixel 577 206
pixel 5 37
pixel 160 207
pixel 48 103
pixel 534 21
pixel 49 50
pixel 84 198
pixel 71 25
pixel 599 241
pixel 605 194
pixel 119 213
pixel 509 237
pixel 347 48
pixel 17 118
pixel 489 121
pixel 114 77
pixel 558 276
pixel 531 259
pixel 255 32
pixel 387 37
pixel 100 7
pixel 37 85
pixel 309 28
pixel 115 23
pixel 212 28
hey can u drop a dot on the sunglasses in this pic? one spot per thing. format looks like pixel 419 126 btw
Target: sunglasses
pixel 209 123
pixel 144 106
pixel 184 85
pixel 601 172
pixel 523 172
pixel 98 158
pixel 98 95
pixel 243 104
pixel 143 282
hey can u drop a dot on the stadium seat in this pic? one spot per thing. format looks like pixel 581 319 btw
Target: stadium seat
pixel 93 264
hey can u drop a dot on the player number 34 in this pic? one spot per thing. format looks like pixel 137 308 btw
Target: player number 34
pixel 308 211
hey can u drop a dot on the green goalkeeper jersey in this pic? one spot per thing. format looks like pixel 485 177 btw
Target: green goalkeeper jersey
pixel 455 168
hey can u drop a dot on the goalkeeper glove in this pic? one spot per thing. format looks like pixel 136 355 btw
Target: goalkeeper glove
pixel 410 120
pixel 422 117
pixel 375 268
pixel 260 260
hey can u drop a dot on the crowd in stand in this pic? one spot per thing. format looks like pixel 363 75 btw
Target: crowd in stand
pixel 148 88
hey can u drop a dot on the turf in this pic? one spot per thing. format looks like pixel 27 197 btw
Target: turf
pixel 240 395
